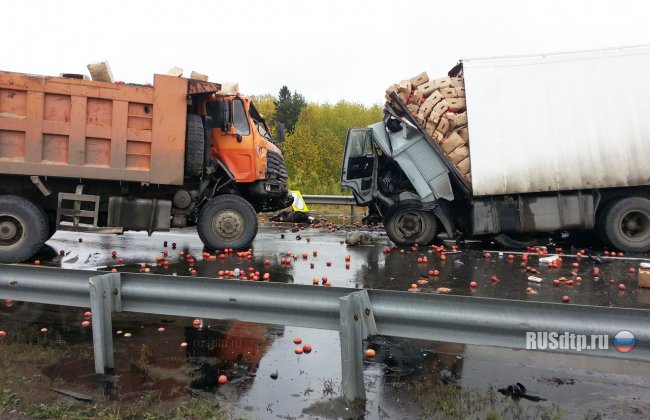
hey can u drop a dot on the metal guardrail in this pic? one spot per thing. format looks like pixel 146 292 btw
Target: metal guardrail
pixel 332 200
pixel 355 313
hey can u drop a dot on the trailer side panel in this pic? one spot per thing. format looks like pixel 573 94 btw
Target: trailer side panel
pixel 559 122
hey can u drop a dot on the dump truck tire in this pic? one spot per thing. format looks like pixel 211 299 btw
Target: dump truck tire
pixel 194 146
pixel 407 225
pixel 627 224
pixel 227 221
pixel 23 229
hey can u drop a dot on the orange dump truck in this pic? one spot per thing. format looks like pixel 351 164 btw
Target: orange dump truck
pixel 102 157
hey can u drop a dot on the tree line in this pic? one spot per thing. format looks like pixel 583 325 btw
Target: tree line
pixel 315 137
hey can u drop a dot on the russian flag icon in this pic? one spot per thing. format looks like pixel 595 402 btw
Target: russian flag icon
pixel 624 341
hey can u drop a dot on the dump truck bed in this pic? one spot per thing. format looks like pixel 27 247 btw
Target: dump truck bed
pixel 559 122
pixel 61 127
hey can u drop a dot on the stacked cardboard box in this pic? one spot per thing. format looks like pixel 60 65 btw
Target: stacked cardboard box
pixel 439 107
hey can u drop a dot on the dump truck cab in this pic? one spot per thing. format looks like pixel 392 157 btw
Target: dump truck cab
pixel 240 141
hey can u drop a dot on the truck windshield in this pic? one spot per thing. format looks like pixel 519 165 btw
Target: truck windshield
pixel 260 123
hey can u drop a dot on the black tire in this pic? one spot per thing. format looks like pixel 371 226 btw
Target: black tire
pixel 227 221
pixel 51 224
pixel 194 145
pixel 23 229
pixel 406 224
pixel 627 224
pixel 600 223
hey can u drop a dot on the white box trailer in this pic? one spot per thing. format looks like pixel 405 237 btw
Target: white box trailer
pixel 558 142
pixel 559 121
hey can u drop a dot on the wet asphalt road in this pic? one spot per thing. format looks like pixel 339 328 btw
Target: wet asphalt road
pixel 270 380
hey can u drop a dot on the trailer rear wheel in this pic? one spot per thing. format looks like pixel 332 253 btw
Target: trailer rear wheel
pixel 227 221
pixel 23 229
pixel 407 225
pixel 627 224
pixel 194 145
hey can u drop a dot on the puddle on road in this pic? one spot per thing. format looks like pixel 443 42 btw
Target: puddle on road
pixel 266 377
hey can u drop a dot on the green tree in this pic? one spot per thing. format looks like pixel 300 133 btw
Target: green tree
pixel 314 150
pixel 288 108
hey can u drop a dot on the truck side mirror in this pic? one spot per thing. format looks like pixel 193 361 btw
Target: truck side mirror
pixel 281 133
pixel 224 116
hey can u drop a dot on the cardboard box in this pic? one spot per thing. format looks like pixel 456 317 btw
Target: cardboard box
pixel 456 104
pixel 456 119
pixel 175 71
pixel 413 108
pixel 229 88
pixel 449 92
pixel 392 89
pixel 443 125
pixel 452 142
pixel 438 136
pixel 420 79
pixel 458 154
pixel 416 98
pixel 101 72
pixel 426 89
pixel 405 86
pixel 644 277
pixel 457 82
pixel 440 108
pixel 443 82
pixel 464 134
pixel 198 76
pixel 460 91
pixel 433 120
pixel 464 166
pixel 429 104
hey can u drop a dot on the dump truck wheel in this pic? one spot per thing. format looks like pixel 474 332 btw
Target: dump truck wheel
pixel 23 229
pixel 227 221
pixel 194 146
pixel 407 225
pixel 627 224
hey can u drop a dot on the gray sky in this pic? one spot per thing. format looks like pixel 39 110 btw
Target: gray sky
pixel 326 50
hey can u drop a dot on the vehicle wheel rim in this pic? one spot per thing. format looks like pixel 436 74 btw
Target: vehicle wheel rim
pixel 228 224
pixel 410 224
pixel 635 225
pixel 11 230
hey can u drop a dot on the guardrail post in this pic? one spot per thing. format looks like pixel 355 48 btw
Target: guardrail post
pixel 357 322
pixel 105 297
pixel 352 214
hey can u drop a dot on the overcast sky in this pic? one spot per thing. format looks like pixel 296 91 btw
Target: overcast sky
pixel 326 50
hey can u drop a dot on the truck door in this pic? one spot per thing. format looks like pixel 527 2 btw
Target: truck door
pixel 359 164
